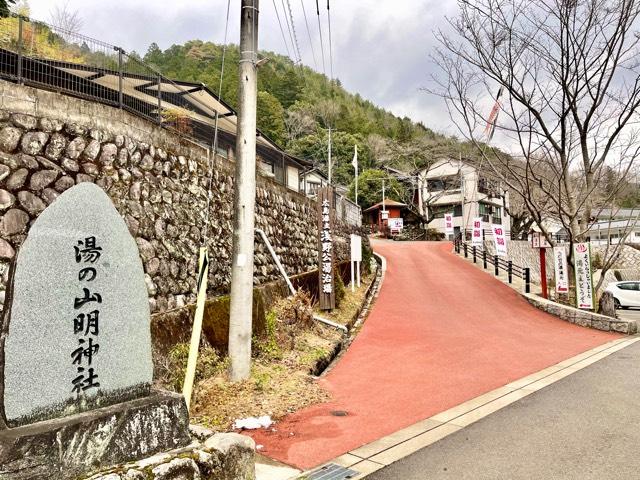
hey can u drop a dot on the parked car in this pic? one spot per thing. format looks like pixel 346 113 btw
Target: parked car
pixel 625 294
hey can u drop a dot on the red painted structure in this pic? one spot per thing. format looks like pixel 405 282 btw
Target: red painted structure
pixel 373 214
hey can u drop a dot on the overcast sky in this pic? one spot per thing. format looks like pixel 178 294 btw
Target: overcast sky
pixel 380 47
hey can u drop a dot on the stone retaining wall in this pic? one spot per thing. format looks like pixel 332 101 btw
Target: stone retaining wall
pixel 158 182
pixel 582 317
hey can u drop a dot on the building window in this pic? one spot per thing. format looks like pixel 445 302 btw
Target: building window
pixel 293 177
pixel 222 152
pixel 312 187
pixel 490 213
pixel 444 183
pixel 497 215
pixel 488 187
pixel 440 210
pixel 265 167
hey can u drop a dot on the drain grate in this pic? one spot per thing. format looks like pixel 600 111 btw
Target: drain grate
pixel 331 472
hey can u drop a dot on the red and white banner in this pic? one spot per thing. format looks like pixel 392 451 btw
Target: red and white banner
pixel 562 272
pixel 476 238
pixel 584 277
pixel 499 240
pixel 448 222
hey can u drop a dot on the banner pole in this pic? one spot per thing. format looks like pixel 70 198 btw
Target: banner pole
pixel 203 272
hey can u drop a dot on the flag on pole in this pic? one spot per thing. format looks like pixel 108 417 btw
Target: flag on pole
pixel 355 158
pixel 493 117
pixel 354 162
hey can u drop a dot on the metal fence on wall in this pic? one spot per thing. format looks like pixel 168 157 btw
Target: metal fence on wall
pixel 43 55
pixel 348 211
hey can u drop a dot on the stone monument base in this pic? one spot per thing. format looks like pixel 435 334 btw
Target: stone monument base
pixel 68 447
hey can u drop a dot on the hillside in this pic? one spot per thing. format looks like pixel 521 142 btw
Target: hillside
pixel 296 105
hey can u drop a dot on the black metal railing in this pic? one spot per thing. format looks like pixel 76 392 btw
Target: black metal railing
pixel 496 261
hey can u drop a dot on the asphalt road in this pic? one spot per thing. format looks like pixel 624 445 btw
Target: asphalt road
pixel 586 426
pixel 440 333
pixel 629 314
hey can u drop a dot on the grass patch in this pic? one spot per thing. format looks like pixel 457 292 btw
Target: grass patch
pixel 350 302
pixel 280 382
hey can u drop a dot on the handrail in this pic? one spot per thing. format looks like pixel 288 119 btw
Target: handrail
pixel 498 263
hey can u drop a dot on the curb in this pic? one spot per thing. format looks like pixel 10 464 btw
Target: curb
pixel 380 453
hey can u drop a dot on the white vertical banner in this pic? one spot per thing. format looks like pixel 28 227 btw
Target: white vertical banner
pixel 476 238
pixel 561 269
pixel 499 240
pixel 584 276
pixel 448 222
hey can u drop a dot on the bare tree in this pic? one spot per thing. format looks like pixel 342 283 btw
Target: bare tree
pixel 568 78
pixel 299 123
pixel 66 19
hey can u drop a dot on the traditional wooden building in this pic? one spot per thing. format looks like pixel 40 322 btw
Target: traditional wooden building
pixel 378 215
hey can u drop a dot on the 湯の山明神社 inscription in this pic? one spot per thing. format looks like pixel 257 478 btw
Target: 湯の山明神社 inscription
pixel 78 334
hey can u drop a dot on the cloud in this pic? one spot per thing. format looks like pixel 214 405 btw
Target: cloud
pixel 380 49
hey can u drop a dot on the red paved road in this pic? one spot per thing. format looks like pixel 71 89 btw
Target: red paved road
pixel 441 332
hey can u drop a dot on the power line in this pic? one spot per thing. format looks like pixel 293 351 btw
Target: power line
pixel 295 36
pixel 330 44
pixel 321 42
pixel 284 38
pixel 313 51
pixel 293 43
pixel 215 132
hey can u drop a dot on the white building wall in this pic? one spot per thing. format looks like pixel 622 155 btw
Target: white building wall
pixel 453 196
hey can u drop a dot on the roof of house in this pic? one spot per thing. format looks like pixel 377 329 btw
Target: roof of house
pixel 387 203
pixel 140 96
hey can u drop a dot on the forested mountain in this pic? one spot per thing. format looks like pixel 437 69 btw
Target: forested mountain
pixel 296 106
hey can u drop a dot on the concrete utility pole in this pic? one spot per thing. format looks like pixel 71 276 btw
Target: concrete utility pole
pixel 241 308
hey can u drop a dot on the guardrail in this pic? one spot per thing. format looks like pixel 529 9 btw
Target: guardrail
pixel 498 263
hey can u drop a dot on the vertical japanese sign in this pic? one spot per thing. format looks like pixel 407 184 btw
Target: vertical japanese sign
pixel 476 239
pixel 326 295
pixel 356 248
pixel 499 240
pixel 86 326
pixel 560 264
pixel 448 222
pixel 584 277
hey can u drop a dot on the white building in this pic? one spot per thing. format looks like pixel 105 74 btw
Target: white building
pixel 311 181
pixel 454 186
pixel 614 231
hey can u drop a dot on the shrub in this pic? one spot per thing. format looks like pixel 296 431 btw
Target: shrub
pixel 597 262
pixel 288 316
pixel 209 364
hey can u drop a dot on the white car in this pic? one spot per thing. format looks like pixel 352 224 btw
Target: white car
pixel 626 294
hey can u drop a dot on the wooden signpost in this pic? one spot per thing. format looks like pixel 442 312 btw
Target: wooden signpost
pixel 539 241
pixel 326 207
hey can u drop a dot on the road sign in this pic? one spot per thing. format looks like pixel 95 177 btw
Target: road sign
pixel 538 240
pixel 395 223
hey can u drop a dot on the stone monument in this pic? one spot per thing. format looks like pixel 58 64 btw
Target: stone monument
pixel 75 348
